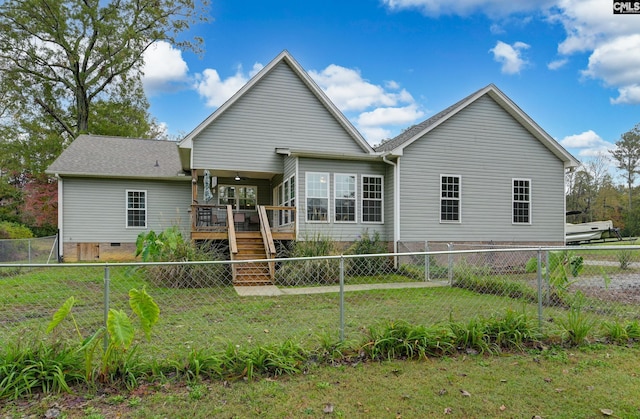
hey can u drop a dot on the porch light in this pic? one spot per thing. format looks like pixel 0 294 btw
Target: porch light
pixel 237 178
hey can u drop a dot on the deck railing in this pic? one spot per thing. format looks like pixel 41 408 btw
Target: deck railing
pixel 215 218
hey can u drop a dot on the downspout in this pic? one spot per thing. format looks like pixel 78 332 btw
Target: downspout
pixel 396 202
pixel 60 218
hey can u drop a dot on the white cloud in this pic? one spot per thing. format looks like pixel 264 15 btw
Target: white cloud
pixel 628 95
pixel 556 64
pixel 587 144
pixel 350 92
pixel 466 7
pixel 216 90
pixel 163 68
pixel 390 116
pixel 613 42
pixel 510 56
pixel 376 110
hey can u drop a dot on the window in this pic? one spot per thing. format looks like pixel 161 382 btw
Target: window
pixel 371 199
pixel 287 198
pixel 137 209
pixel 345 198
pixel 449 198
pixel 239 197
pixel 317 197
pixel 521 201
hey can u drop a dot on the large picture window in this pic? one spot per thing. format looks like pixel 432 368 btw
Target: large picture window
pixel 521 201
pixel 345 198
pixel 239 197
pixel 137 209
pixel 372 199
pixel 450 198
pixel 317 187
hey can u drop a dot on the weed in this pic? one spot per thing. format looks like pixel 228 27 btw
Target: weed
pixel 624 257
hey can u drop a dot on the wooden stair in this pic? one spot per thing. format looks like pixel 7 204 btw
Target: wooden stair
pixel 250 247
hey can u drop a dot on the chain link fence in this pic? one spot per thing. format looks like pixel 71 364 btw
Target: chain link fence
pixel 325 298
pixel 33 250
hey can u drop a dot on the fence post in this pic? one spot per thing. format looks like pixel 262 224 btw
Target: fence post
pixel 427 277
pixel 29 241
pixel 341 298
pixel 546 277
pixel 106 305
pixel 450 256
pixel 539 288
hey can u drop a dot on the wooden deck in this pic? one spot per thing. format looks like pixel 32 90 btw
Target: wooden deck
pixel 250 236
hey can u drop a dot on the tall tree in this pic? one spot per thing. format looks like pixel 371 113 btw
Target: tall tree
pixel 627 156
pixel 59 56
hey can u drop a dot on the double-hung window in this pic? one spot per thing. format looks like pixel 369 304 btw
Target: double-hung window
pixel 450 198
pixel 136 209
pixel 317 187
pixel 521 201
pixel 345 198
pixel 371 199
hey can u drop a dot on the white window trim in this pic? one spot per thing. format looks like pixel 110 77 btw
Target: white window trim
pixel 355 197
pixel 127 209
pixel 519 179
pixel 459 220
pixel 280 196
pixel 369 199
pixel 306 198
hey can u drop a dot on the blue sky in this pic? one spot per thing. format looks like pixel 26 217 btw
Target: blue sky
pixel 571 65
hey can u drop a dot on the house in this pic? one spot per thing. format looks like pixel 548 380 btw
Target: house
pixel 279 161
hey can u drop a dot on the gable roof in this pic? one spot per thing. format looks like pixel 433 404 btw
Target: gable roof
pixel 397 145
pixel 284 56
pixel 119 157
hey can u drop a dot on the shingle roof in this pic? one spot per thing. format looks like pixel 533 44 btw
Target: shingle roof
pixel 95 155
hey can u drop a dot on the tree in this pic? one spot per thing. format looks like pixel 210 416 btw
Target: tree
pixel 627 156
pixel 60 56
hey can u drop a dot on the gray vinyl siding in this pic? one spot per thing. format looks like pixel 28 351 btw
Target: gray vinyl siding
pixel 487 148
pixel 278 111
pixel 95 209
pixel 339 231
pixel 389 194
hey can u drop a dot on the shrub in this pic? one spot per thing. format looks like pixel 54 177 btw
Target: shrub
pixel 313 271
pixel 368 266
pixel 170 246
pixel 11 248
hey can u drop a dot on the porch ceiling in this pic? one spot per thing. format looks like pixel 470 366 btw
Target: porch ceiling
pixel 232 173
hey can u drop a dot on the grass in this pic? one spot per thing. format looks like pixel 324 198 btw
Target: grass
pixel 551 383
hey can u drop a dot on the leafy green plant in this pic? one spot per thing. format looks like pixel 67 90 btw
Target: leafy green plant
pixel 171 246
pixel 48 368
pixel 512 330
pixel 367 266
pixel 621 333
pixel 563 266
pixel 120 333
pixel 624 258
pixel 578 325
pixel 399 339
pixel 473 335
pixel 310 271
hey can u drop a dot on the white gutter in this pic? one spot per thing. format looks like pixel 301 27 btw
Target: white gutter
pixel 396 201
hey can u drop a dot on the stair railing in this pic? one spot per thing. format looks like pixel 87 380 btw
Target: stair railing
pixel 267 239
